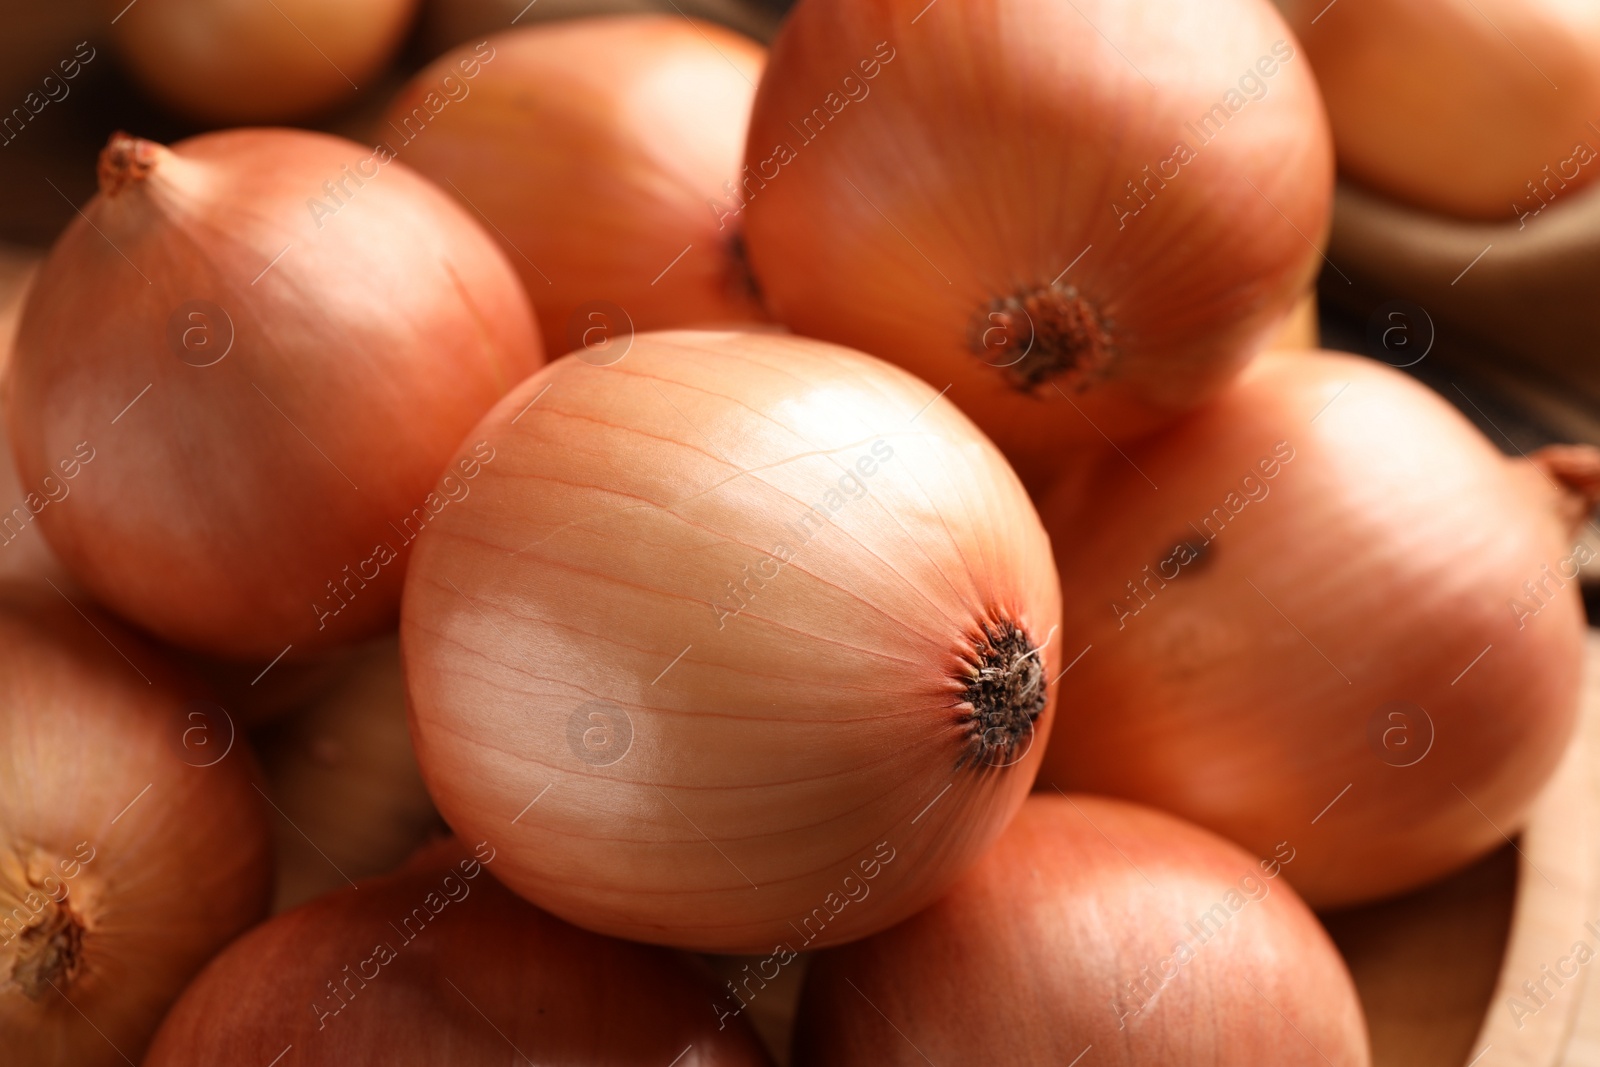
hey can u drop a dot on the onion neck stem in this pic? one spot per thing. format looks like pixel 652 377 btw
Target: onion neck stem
pixel 125 160
pixel 1575 471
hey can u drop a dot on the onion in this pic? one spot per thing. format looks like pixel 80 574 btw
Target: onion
pixel 1094 924
pixel 23 552
pixel 439 964
pixel 743 640
pixel 993 196
pixel 237 63
pixel 1302 329
pixel 244 404
pixel 1343 619
pixel 596 149
pixel 345 780
pixel 1512 133
pixel 133 844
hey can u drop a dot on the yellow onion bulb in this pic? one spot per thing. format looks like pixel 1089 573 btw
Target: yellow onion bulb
pixel 23 551
pixel 1082 218
pixel 1325 610
pixel 133 841
pixel 743 641
pixel 342 774
pixel 1482 109
pixel 256 63
pixel 239 378
pixel 598 151
pixel 1099 932
pixel 438 963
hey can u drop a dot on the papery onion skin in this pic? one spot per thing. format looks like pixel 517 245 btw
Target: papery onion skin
pixel 247 63
pixel 241 502
pixel 133 844
pixel 1342 665
pixel 1523 85
pixel 1029 959
pixel 965 210
pixel 597 150
pixel 671 759
pixel 479 978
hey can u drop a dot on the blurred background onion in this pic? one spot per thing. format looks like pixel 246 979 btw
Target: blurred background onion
pixel 257 63
pixel 350 800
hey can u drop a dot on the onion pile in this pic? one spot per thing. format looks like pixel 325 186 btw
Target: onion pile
pixel 225 63
pixel 745 639
pixel 597 151
pixel 133 841
pixel 1099 925
pixel 439 964
pixel 1081 218
pixel 714 635
pixel 1325 610
pixel 248 463
pixel 1513 132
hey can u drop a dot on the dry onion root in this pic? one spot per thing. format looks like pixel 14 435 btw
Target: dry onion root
pixel 1082 218
pixel 598 150
pixel 436 964
pixel 744 641
pixel 1093 924
pixel 133 843
pixel 1344 619
pixel 248 364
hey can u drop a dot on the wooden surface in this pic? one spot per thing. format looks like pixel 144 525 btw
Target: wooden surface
pixel 1582 1048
